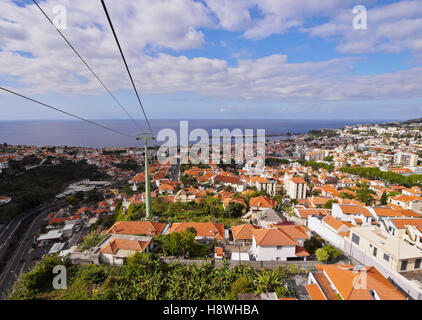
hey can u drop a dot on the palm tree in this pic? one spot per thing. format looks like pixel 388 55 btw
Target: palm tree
pixel 267 281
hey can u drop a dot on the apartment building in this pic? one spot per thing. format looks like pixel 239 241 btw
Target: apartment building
pixel 406 159
pixel 296 187
pixel 348 282
pixel 388 250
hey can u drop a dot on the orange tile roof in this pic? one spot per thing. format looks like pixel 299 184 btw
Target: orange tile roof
pixel 227 201
pixel 203 229
pixel 355 210
pixel 243 231
pixel 298 180
pixel 137 227
pixel 262 202
pixel 400 223
pixel 124 244
pixel 404 198
pixel 333 222
pixel 315 292
pixel 272 237
pixel 219 251
pixel 301 252
pixel 305 212
pixel 294 231
pixel 344 278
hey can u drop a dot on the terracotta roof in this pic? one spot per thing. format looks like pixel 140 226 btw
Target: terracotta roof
pixel 319 200
pixel 355 210
pixel 262 202
pixel 343 277
pixel 386 212
pixel 400 223
pixel 294 231
pixel 315 292
pixel 203 229
pixel 272 237
pixel 243 231
pixel 228 179
pixel 298 180
pixel 333 222
pixel 137 227
pixel 305 212
pixel 301 252
pixel 227 201
pixel 124 244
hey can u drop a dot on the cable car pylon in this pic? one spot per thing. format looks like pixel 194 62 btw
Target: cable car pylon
pixel 148 208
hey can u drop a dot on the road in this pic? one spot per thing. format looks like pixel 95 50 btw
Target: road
pixel 18 257
pixel 17 261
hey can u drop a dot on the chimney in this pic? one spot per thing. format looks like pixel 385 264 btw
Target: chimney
pixel 114 229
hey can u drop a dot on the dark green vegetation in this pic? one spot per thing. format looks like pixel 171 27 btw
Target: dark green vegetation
pixel 327 254
pixel 323 133
pixel 145 276
pixel 209 209
pixel 390 177
pixel 314 244
pixel 269 161
pixel 182 244
pixel 316 165
pixel 38 185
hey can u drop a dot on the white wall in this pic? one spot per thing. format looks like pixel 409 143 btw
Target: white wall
pixel 316 225
pixel 271 253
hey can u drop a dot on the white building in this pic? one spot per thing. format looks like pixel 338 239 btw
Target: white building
pixel 406 159
pixel 276 245
pixel 355 214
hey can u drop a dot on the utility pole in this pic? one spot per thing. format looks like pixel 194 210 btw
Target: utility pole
pixel 148 209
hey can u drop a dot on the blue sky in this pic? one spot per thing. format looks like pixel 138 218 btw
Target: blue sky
pixel 216 59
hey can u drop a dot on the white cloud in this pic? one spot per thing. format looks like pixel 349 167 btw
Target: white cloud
pixel 275 16
pixel 152 25
pixel 395 27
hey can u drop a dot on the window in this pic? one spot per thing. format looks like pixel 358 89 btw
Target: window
pixel 374 252
pixel 417 263
pixel 403 265
pixel 355 238
pixel 386 257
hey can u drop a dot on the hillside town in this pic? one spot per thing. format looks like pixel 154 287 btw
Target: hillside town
pixel 343 206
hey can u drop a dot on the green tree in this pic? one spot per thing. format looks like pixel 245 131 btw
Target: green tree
pixel 267 281
pixel 72 200
pixel 322 255
pixel 384 198
pixel 241 285
pixel 234 210
pixel 329 204
pixel 364 195
pixel 91 240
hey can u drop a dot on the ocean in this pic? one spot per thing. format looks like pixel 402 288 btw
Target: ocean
pixel 81 134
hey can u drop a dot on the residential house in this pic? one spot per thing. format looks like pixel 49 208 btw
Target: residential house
pixel 407 202
pixel 355 214
pixel 205 231
pixel 388 250
pixel 115 248
pixel 262 203
pixel 233 181
pixel 275 245
pixel 242 234
pixel 138 228
pixel 348 282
